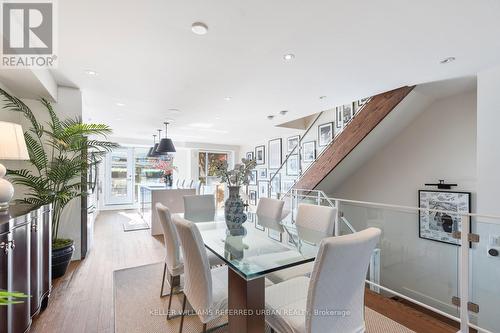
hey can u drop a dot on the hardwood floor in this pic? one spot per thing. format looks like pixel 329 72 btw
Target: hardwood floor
pixel 82 300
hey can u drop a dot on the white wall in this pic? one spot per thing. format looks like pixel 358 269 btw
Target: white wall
pixel 439 144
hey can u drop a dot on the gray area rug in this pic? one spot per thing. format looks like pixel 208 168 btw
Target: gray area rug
pixel 138 307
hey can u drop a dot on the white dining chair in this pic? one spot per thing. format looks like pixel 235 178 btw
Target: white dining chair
pixel 337 283
pixel 204 288
pixel 173 259
pixel 269 208
pixel 199 208
pixel 320 219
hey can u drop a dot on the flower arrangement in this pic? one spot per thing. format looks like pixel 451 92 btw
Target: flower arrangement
pixel 167 167
pixel 240 175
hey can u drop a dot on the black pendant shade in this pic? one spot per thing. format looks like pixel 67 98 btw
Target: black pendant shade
pixel 166 145
pixel 152 151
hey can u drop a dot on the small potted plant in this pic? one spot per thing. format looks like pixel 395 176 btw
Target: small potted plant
pixel 168 169
pixel 59 154
pixel 234 208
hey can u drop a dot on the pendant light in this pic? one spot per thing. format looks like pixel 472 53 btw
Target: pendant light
pixel 155 152
pixel 150 152
pixel 166 145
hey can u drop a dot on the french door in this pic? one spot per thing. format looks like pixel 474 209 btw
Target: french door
pixel 120 177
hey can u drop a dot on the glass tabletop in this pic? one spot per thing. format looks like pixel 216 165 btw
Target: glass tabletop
pixel 260 246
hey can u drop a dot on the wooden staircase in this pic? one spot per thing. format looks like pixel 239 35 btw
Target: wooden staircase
pixel 365 121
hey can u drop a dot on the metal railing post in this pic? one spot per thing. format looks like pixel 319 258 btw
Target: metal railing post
pixel 463 271
pixel 336 227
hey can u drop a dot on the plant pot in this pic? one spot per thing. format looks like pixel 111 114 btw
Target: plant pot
pixel 60 260
pixel 234 208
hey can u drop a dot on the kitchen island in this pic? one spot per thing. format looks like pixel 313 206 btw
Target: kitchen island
pixel 172 197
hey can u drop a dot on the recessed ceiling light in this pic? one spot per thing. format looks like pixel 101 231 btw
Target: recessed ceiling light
pixel 90 72
pixel 289 56
pixel 199 28
pixel 227 98
pixel 447 60
pixel 283 112
pixel 120 104
pixel 270 117
pixel 174 110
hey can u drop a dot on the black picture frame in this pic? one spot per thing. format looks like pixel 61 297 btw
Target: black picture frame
pixel 262 174
pixel 347 113
pixel 260 155
pixel 293 165
pixel 263 188
pixel 250 155
pixel 338 117
pixel 275 153
pixel 321 139
pixel 275 179
pixel 253 178
pixel 290 145
pixel 252 197
pixel 424 218
pixel 306 150
pixel 258 226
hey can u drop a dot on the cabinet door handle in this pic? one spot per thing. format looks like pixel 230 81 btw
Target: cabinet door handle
pixel 12 244
pixel 5 247
pixel 34 227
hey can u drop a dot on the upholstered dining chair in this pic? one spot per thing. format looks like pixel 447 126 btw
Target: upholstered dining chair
pixel 337 282
pixel 270 209
pixel 174 262
pixel 320 219
pixel 199 208
pixel 205 288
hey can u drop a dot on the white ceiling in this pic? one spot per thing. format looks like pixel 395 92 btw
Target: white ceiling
pixel 148 58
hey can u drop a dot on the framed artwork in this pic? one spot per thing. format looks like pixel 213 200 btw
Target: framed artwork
pixel 338 117
pixel 260 155
pixel 292 142
pixel 347 112
pixel 359 104
pixel 275 183
pixel 309 151
pixel 292 165
pixel 262 173
pixel 274 234
pixel 275 153
pixel 439 226
pixel 286 185
pixel 252 197
pixel 253 178
pixel 263 188
pixel 325 134
pixel 250 155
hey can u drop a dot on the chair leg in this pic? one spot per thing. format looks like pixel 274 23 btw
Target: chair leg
pixel 163 279
pixel 171 295
pixel 182 314
pixel 204 328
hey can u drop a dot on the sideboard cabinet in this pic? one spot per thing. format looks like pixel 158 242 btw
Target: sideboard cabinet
pixel 25 263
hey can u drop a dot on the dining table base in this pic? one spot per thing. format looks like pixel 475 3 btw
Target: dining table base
pixel 246 304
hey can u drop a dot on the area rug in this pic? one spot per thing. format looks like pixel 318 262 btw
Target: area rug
pixel 134 225
pixel 139 309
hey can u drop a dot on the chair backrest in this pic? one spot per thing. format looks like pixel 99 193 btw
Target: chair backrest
pixel 189 183
pixel 319 218
pixel 172 251
pixel 197 275
pixel 338 280
pixel 269 208
pixel 199 208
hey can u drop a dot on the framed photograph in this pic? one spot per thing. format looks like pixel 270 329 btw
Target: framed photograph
pixel 338 117
pixel 252 197
pixel 275 183
pixel 292 165
pixel 325 134
pixel 253 178
pixel 250 155
pixel 359 104
pixel 347 112
pixel 440 226
pixel 286 185
pixel 260 155
pixel 275 153
pixel 292 142
pixel 274 234
pixel 263 187
pixel 309 151
pixel 262 173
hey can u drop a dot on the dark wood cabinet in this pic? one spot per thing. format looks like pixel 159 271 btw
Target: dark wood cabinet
pixel 25 252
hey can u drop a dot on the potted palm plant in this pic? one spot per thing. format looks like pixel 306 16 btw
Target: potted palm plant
pixel 58 152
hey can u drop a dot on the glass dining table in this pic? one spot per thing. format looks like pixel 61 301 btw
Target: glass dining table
pixel 257 247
